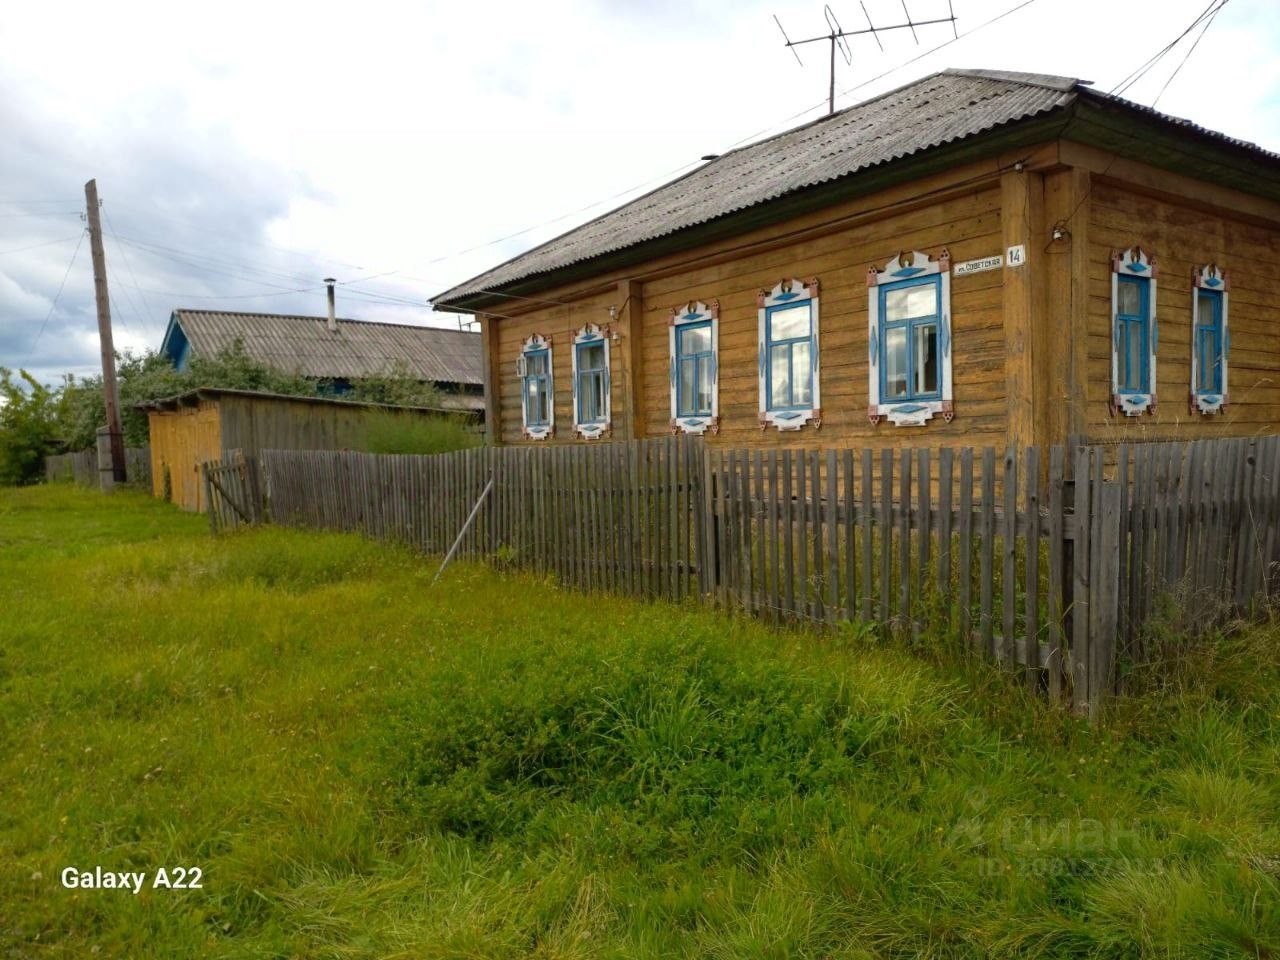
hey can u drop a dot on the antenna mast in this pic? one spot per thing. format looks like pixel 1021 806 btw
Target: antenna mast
pixel 836 37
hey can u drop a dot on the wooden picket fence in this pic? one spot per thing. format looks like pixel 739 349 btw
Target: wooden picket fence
pixel 82 467
pixel 1073 567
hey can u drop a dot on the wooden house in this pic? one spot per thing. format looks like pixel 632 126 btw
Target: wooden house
pixel 335 351
pixel 978 257
pixel 202 425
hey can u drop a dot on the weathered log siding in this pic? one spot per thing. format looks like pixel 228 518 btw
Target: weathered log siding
pixel 837 247
pixel 1182 238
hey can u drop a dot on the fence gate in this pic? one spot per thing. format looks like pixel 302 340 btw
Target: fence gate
pixel 232 491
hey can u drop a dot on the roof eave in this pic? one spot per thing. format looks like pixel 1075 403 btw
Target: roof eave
pixel 1104 122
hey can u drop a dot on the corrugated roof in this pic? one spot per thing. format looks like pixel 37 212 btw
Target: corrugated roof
pixel 304 345
pixel 941 109
pixel 199 393
pixel 937 110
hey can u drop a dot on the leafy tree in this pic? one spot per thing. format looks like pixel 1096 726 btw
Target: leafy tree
pixel 397 388
pixel 28 419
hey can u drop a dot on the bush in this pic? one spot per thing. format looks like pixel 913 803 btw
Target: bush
pixel 27 427
pixel 391 432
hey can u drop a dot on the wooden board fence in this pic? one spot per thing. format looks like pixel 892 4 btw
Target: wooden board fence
pixel 1070 566
pixel 82 467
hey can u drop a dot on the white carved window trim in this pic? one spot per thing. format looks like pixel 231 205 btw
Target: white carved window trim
pixel 914 412
pixel 789 293
pixel 691 313
pixel 1209 277
pixel 537 343
pixel 1134 262
pixel 593 429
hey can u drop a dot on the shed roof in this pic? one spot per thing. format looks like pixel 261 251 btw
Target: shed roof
pixel 359 348
pixel 192 397
pixel 938 110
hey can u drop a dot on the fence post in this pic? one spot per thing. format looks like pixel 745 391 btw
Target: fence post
pixel 106 471
pixel 1082 486
pixel 208 498
pixel 1104 600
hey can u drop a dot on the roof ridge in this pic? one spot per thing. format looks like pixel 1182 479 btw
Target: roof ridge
pixel 1045 81
pixel 301 316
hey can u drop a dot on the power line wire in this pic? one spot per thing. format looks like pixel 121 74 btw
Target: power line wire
pixel 1190 51
pixel 36 246
pixel 58 296
pixel 1141 71
pixel 1211 11
pixel 242 296
pixel 144 314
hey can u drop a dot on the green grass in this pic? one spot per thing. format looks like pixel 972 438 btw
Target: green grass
pixel 367 766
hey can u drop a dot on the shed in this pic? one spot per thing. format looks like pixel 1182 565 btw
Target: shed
pixel 204 424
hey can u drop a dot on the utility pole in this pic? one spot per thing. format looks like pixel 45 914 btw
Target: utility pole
pixel 110 393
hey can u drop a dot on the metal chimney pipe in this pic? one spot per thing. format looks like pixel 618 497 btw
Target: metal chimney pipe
pixel 333 317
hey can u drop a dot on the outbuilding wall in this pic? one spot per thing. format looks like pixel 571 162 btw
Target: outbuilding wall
pixel 188 434
pixel 181 440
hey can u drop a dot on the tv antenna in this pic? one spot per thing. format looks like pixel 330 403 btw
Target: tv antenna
pixel 836 36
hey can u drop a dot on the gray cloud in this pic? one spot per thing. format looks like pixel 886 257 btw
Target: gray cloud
pixel 186 212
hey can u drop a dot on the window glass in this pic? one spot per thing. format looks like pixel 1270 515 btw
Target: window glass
pixel 802 373
pixel 536 401
pixel 536 363
pixel 1133 362
pixel 1207 304
pixel 926 358
pixel 596 394
pixel 780 376
pixel 1207 360
pixel 895 362
pixel 591 356
pixel 688 378
pixel 591 396
pixel 906 302
pixel 703 397
pixel 695 339
pixel 789 323
pixel 1129 298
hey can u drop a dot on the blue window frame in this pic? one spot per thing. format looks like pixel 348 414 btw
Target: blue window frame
pixel 593 382
pixel 910 344
pixel 1208 342
pixel 695 369
pixel 535 387
pixel 1133 335
pixel 789 356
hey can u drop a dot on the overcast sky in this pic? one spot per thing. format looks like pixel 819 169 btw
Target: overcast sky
pixel 244 151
